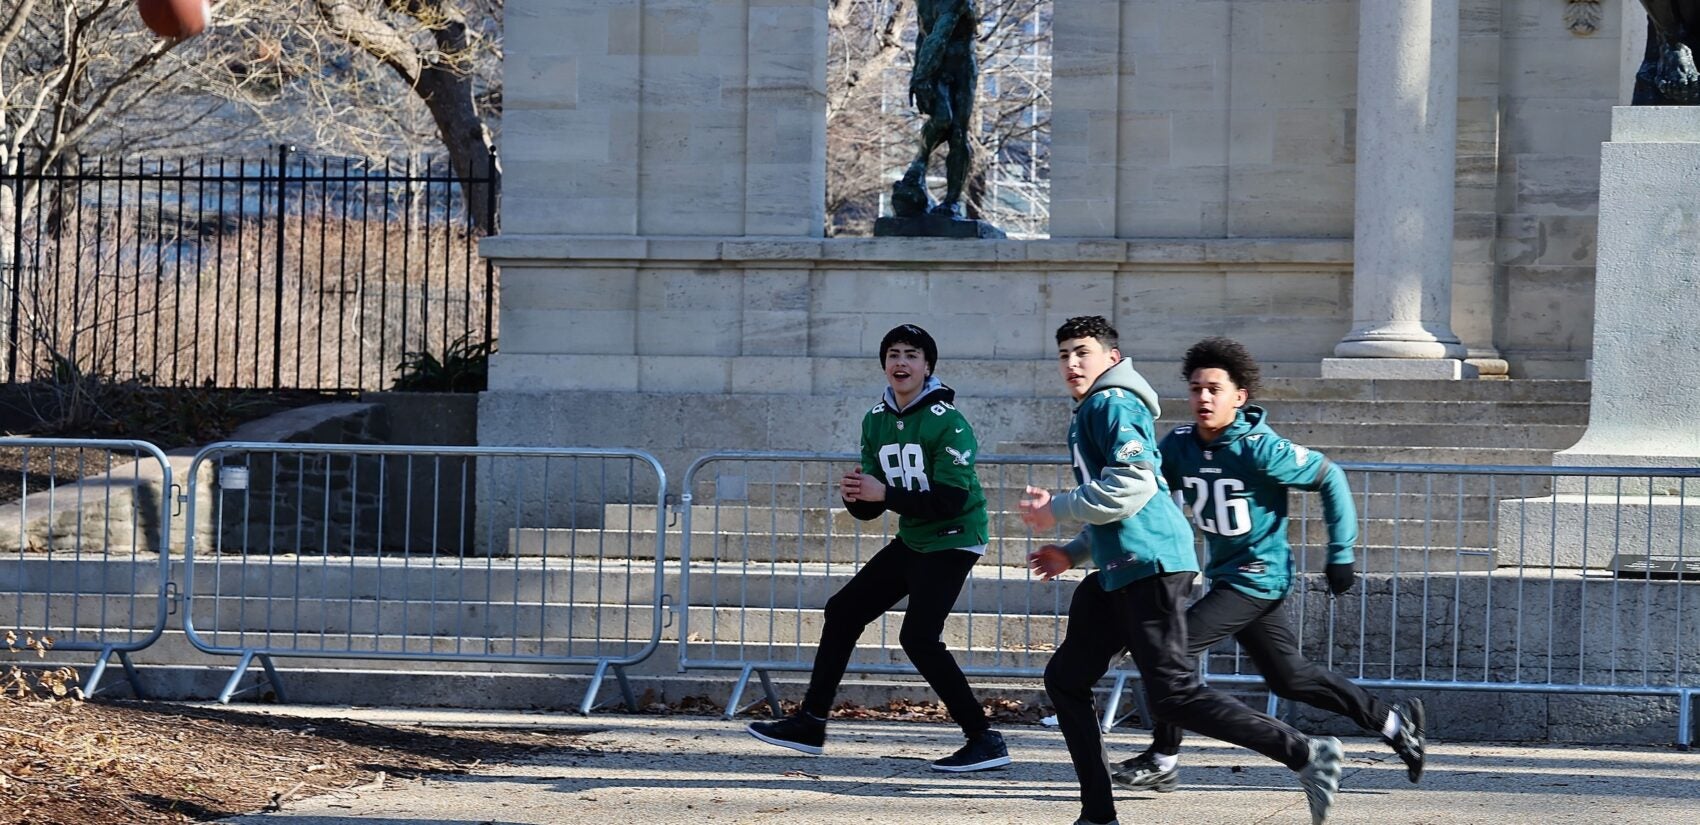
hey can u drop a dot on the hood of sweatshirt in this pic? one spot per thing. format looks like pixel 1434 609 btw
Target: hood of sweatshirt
pixel 1123 375
pixel 933 390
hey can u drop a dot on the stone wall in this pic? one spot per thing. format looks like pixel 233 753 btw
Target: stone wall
pixel 772 316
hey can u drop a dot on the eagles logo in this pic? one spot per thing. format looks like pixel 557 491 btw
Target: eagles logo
pixel 1129 451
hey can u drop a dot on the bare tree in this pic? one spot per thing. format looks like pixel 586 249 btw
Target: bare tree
pixel 871 130
pixel 432 46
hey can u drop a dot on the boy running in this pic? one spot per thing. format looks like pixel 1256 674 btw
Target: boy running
pixel 918 462
pixel 1140 542
pixel 1234 472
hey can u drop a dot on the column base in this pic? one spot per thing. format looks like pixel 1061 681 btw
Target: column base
pixel 1444 369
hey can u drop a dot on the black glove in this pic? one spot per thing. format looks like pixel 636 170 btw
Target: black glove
pixel 1340 578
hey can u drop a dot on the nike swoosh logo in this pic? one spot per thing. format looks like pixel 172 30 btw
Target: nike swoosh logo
pixel 959 429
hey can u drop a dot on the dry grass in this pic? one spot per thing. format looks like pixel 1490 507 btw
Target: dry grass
pixel 211 305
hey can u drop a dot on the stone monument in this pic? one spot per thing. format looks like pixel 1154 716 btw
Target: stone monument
pixel 942 86
pixel 1645 394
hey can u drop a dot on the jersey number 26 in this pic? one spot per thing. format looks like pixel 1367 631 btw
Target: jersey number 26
pixel 1231 516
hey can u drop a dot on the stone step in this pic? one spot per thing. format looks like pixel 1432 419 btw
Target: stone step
pixel 1283 414
pixel 782 548
pixel 1348 389
pixel 1305 520
pixel 1311 433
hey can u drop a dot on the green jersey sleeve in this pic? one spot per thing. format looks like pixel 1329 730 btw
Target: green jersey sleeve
pixel 1290 465
pixel 951 450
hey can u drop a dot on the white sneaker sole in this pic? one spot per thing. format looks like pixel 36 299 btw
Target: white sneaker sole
pixel 811 750
pixel 977 766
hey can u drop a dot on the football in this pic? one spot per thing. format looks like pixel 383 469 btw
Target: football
pixel 175 18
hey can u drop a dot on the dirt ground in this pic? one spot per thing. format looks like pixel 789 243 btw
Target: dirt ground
pixel 65 762
pixel 72 763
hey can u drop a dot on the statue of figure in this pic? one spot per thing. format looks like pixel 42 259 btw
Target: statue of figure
pixel 942 87
pixel 1668 76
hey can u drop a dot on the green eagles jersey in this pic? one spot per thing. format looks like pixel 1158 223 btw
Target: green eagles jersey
pixel 1112 436
pixel 928 443
pixel 1236 487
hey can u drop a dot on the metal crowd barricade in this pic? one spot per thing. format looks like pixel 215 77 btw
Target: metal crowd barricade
pixel 475 555
pixel 766 541
pixel 1553 580
pixel 85 548
pixel 1563 580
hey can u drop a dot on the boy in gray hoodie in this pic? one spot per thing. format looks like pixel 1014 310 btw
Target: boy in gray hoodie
pixel 1141 544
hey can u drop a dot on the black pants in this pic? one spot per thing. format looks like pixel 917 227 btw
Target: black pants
pixel 1146 618
pixel 932 582
pixel 1261 628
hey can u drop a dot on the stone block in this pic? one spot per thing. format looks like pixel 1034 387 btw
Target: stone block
pixel 689 332
pixel 684 373
pixel 1574 530
pixel 1557 184
pixel 542 80
pixel 691 289
pixel 612 332
pixel 540 288
pixel 775 332
pixel 520 372
pixel 1549 308
pixel 785 374
pixel 987 293
pixel 1398 368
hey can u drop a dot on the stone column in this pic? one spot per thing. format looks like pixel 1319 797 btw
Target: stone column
pixel 1407 128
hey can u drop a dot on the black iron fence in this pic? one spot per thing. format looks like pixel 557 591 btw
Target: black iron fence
pixel 292 271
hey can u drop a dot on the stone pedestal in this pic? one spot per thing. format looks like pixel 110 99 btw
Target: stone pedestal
pixel 934 226
pixel 1407 124
pixel 1645 405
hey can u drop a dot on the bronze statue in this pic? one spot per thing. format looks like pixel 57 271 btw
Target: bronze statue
pixel 942 87
pixel 1668 76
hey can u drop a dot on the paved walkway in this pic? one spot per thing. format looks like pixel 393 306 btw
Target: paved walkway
pixel 639 770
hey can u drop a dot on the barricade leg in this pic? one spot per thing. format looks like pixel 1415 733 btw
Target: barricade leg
pixel 773 705
pixel 91 686
pixel 1113 706
pixel 770 695
pixel 1684 719
pixel 732 708
pixel 589 704
pixel 242 666
pixel 131 674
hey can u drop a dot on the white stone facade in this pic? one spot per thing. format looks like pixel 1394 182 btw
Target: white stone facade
pixel 663 197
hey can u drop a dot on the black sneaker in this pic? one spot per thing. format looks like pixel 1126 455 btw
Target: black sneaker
pixel 981 753
pixel 1084 821
pixel 1320 777
pixel 1142 773
pixel 799 731
pixel 1409 742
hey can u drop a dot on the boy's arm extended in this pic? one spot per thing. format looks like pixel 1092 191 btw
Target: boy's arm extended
pixel 1128 479
pixel 1294 466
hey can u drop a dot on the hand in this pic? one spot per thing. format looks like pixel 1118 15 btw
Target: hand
pixel 850 486
pixel 1340 578
pixel 1049 561
pixel 1035 509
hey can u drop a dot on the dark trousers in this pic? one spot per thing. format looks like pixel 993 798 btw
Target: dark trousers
pixel 1146 618
pixel 932 582
pixel 1261 628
